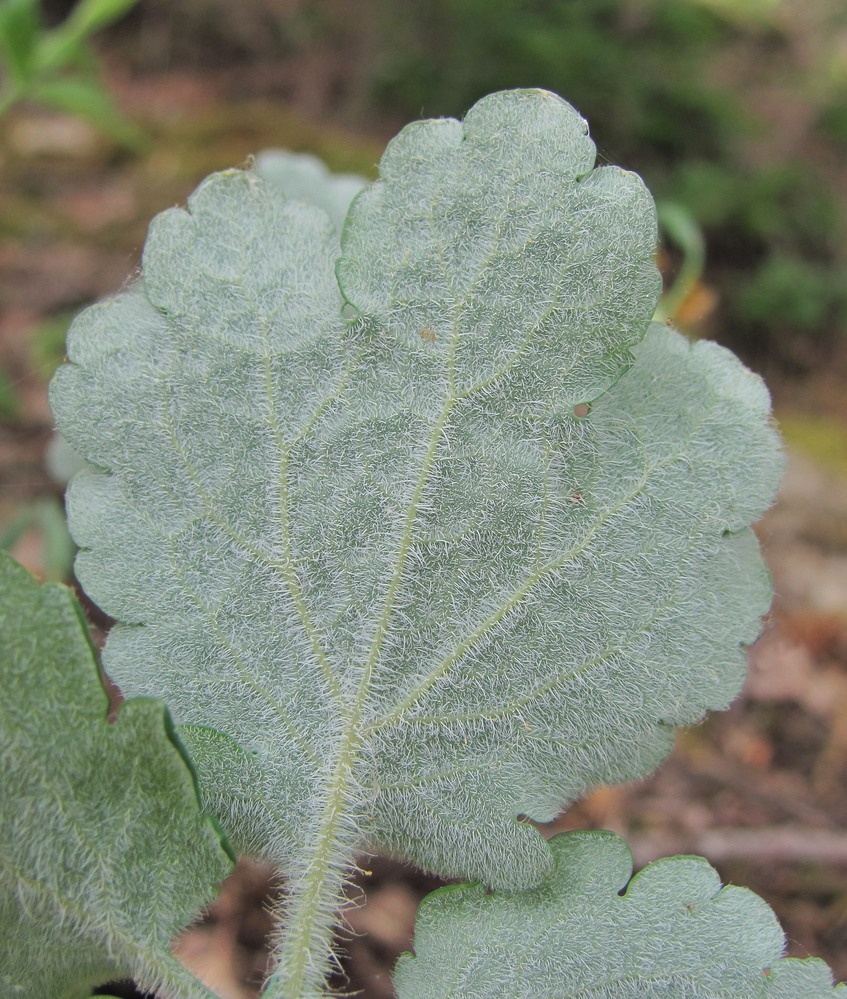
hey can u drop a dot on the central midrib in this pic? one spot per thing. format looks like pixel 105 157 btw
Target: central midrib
pixel 327 840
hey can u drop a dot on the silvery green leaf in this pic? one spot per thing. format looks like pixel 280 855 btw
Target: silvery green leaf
pixel 672 933
pixel 385 555
pixel 303 177
pixel 105 855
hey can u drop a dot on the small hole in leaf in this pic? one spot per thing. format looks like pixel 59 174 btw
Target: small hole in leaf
pixel 581 410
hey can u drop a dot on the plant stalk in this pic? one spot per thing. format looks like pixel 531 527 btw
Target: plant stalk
pixel 304 953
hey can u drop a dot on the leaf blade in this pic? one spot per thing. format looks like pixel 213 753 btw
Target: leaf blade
pixel 105 854
pixel 86 97
pixel 513 245
pixel 674 931
pixel 20 23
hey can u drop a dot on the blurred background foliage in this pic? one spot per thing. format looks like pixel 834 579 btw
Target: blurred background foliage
pixel 55 65
pixel 733 110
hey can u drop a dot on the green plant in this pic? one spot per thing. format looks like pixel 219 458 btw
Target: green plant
pixel 56 67
pixel 105 854
pixel 680 229
pixel 419 534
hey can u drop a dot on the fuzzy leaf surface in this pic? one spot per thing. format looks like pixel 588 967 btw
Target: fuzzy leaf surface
pixel 674 932
pixel 104 855
pixel 384 556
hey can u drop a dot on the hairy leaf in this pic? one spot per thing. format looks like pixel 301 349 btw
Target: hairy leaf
pixel 104 852
pixel 386 555
pixel 673 932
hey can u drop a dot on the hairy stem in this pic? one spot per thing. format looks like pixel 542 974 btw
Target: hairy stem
pixel 304 953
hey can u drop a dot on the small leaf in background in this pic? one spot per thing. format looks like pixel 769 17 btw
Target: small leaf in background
pixel 61 461
pixel 65 45
pixel 673 932
pixel 89 16
pixel 105 855
pixel 680 227
pixel 20 24
pixel 87 99
pixel 57 68
pixel 303 177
